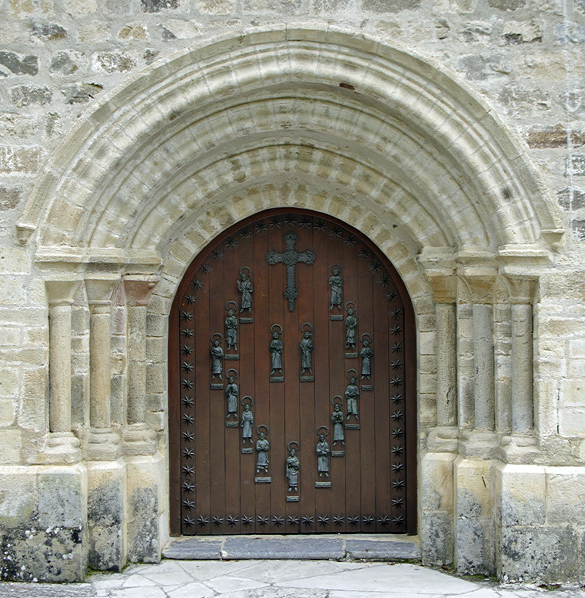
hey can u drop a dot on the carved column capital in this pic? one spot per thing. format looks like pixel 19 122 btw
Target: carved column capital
pixel 480 283
pixel 61 292
pixel 100 290
pixel 521 289
pixel 139 290
pixel 444 284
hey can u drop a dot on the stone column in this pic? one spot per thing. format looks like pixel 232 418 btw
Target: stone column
pixel 106 474
pixel 138 437
pixel 444 282
pixel 144 465
pixel 62 445
pixel 481 441
pixel 521 446
pixel 102 441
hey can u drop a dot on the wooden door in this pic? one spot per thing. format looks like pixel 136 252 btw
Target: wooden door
pixel 277 321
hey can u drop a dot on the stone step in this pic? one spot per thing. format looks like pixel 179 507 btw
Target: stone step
pixel 303 547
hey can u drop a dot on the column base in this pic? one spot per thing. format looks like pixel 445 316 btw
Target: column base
pixel 139 439
pixel 519 449
pixel 55 448
pixel 102 444
pixel 478 443
pixel 443 439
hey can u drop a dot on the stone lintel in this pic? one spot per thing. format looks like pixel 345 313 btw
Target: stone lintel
pixel 61 292
pixel 131 260
pixel 138 290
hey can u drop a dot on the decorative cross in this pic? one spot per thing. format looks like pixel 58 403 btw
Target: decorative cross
pixel 290 257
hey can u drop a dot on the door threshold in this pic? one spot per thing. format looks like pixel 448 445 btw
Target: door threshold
pixel 369 547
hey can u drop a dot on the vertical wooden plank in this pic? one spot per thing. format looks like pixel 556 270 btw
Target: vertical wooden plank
pixel 231 434
pixel 202 407
pixel 381 405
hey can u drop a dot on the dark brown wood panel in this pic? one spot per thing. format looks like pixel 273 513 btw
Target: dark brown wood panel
pixel 218 483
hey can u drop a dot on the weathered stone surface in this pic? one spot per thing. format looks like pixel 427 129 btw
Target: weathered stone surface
pixel 522 32
pixel 571 199
pixel 13 63
pixel 507 4
pixel 577 164
pixel 216 7
pixel 178 29
pixel 10 197
pixel 81 93
pixel 49 31
pixel 278 548
pixel 21 160
pixel 437 545
pixel 105 512
pixel 578 229
pixel 25 95
pixel 66 62
pixel 135 31
pixel 158 5
pixel 19 126
pixel 549 554
pixel 194 548
pixel 380 6
pixel 112 62
pixel 382 550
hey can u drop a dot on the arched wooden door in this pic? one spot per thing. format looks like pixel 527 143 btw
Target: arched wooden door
pixel 292 384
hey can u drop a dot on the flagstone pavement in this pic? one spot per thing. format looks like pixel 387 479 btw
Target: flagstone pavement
pixel 279 579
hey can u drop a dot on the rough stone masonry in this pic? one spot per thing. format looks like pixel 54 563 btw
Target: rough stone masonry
pixel 450 132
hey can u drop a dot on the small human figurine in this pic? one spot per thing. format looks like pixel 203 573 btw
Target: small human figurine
pixel 352 394
pixel 323 457
pixel 292 470
pixel 336 284
pixel 216 360
pixel 231 330
pixel 350 328
pixel 275 353
pixel 231 393
pixel 366 354
pixel 245 289
pixel 262 446
pixel 337 421
pixel 247 423
pixel 306 352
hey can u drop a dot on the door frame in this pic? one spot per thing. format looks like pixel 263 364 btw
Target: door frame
pixel 410 357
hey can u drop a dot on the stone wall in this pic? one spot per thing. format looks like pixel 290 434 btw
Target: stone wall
pixel 490 502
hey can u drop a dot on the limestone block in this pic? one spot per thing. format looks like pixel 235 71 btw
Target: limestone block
pixel 44 524
pixel 92 31
pixel 10 447
pixel 565 492
pixel 436 478
pixel 572 422
pixel 9 196
pixel 145 475
pixel 19 160
pixel 436 529
pixel 573 393
pixel 521 494
pixel 474 524
pixel 79 8
pixel 9 382
pixel 105 512
pixel 549 554
pixel 7 412
pixel 112 62
pixel 13 63
pixel 216 7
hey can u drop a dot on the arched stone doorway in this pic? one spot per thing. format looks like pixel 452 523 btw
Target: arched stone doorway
pixel 267 339
pixel 287 117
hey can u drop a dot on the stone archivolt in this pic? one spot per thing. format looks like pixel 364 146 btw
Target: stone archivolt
pixel 333 122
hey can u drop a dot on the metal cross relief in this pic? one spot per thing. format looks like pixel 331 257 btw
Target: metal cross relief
pixel 290 257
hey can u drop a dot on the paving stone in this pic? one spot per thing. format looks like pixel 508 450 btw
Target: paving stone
pixel 382 550
pixel 281 548
pixel 194 548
